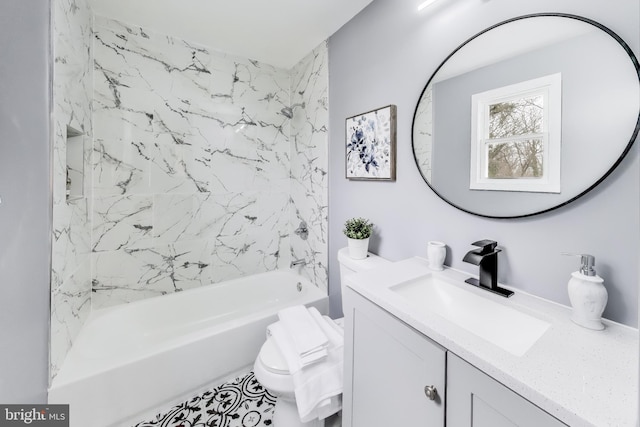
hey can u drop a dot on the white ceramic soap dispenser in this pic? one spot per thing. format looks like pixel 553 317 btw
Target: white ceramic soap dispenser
pixel 587 294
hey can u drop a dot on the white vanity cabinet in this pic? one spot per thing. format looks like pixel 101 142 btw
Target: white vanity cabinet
pixel 395 376
pixel 475 399
pixel 387 367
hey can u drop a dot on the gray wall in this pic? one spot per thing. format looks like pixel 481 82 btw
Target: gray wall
pixel 25 212
pixel 385 56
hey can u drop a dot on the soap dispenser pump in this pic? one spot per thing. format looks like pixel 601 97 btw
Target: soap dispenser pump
pixel 587 294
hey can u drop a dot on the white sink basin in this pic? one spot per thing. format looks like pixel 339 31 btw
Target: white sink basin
pixel 506 327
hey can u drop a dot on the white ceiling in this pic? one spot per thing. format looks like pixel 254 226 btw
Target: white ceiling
pixel 276 32
pixel 513 39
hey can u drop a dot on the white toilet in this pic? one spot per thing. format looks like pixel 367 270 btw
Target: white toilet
pixel 271 369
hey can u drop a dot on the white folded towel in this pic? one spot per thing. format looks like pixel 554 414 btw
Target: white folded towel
pixel 318 387
pixel 308 338
pixel 284 341
pixel 333 332
pixel 318 374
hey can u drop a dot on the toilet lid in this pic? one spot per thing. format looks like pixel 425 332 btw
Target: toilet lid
pixel 272 358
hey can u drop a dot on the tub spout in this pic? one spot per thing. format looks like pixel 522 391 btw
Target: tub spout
pixel 298 262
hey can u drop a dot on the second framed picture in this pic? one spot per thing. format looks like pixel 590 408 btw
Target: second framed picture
pixel 371 145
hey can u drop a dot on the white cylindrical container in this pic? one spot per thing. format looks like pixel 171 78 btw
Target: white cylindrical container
pixel 436 252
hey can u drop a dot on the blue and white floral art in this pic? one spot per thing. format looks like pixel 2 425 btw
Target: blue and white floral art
pixel 371 145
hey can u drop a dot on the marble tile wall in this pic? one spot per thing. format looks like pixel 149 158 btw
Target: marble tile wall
pixel 192 164
pixel 198 166
pixel 309 160
pixel 71 248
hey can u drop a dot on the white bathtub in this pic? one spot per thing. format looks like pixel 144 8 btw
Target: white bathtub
pixel 130 360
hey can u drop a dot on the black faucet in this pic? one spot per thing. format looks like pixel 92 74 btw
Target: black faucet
pixel 487 258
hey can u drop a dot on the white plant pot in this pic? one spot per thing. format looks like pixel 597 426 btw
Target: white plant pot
pixel 358 248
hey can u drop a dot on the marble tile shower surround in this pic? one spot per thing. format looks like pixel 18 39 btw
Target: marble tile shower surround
pixel 198 166
pixel 309 145
pixel 71 247
pixel 193 173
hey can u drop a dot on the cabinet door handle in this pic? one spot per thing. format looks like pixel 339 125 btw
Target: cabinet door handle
pixel 431 392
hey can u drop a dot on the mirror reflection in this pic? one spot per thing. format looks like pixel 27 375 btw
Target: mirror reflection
pixel 527 116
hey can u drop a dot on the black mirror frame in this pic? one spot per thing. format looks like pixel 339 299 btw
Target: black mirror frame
pixel 626 150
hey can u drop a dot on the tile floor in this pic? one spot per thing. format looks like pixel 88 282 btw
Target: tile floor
pixel 239 403
pixel 242 402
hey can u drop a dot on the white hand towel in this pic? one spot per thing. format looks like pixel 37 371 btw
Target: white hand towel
pixel 305 333
pixel 315 357
pixel 318 387
pixel 329 407
pixel 294 361
pixel 333 332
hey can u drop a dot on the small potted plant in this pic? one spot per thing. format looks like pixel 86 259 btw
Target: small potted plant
pixel 358 231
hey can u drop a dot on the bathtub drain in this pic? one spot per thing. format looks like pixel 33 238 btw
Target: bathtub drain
pixel 299 287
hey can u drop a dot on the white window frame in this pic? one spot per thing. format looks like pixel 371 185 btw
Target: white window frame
pixel 550 87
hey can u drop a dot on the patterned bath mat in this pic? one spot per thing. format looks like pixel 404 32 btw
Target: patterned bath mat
pixel 240 403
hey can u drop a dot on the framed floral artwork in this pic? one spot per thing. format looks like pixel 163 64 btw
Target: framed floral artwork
pixel 371 145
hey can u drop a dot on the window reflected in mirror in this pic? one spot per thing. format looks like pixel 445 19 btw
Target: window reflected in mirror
pixel 515 137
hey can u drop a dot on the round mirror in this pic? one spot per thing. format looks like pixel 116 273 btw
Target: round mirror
pixel 527 115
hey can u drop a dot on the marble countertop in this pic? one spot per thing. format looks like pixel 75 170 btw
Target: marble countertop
pixel 580 376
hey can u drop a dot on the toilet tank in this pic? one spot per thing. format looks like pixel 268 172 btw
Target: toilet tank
pixel 349 265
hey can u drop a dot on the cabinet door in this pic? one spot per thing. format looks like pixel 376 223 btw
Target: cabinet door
pixel 387 366
pixel 475 399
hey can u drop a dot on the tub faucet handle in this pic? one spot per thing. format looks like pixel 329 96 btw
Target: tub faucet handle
pixel 302 230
